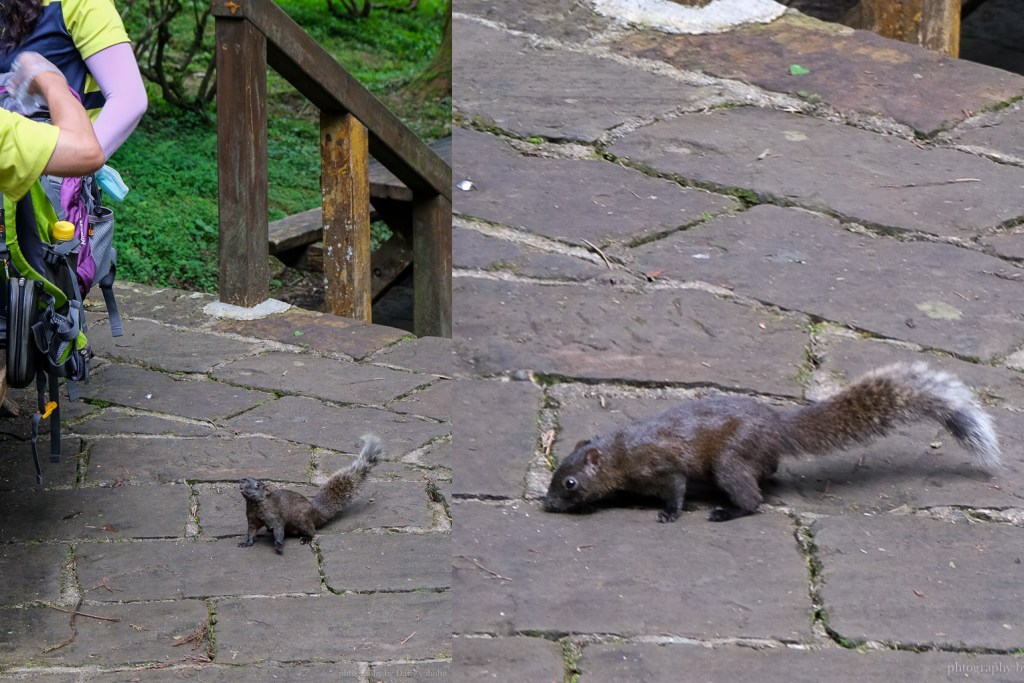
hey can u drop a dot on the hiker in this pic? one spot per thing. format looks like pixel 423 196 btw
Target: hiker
pixel 87 41
pixel 28 148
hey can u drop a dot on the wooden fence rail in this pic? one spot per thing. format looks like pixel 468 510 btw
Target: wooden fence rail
pixel 255 34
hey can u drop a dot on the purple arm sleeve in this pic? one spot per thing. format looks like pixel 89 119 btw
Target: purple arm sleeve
pixel 117 74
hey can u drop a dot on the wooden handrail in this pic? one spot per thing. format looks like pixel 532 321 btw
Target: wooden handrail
pixel 254 34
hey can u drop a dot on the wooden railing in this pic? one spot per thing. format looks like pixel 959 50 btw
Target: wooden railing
pixel 252 34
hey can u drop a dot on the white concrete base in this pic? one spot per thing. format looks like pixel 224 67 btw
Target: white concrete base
pixel 670 17
pixel 219 309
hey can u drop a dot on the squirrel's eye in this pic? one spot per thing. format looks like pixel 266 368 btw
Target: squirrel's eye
pixel 569 484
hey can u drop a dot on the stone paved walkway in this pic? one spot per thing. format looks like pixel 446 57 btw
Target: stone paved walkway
pixel 654 217
pixel 142 519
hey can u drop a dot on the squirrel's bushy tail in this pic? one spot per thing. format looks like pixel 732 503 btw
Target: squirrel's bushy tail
pixel 341 487
pixel 873 405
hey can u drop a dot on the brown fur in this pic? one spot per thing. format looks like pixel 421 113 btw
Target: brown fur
pixel 736 442
pixel 286 512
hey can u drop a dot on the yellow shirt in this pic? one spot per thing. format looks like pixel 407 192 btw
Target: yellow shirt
pixel 25 148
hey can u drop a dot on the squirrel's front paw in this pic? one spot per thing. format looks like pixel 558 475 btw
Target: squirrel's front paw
pixel 724 514
pixel 665 516
pixel 245 544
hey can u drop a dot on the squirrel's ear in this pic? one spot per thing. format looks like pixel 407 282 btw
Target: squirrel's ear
pixel 591 457
pixel 581 444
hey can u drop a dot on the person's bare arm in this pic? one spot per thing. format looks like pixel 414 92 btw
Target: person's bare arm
pixel 78 152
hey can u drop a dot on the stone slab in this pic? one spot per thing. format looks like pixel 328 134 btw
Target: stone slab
pixel 1007 245
pixel 434 401
pixel 106 513
pixel 605 663
pixel 477 251
pixel 110 421
pixel 570 200
pixel 378 627
pixel 31 573
pixel 154 391
pixel 918 581
pixel 145 632
pixel 561 19
pixel 323 378
pixel 852 71
pixel 994 132
pixel 264 672
pixel 515 659
pixel 493 454
pixel 430 355
pixel 305 420
pixel 18 473
pixel 379 505
pixel 503 81
pixel 664 336
pixel 619 571
pixel 317 331
pixel 387 562
pixel 439 455
pixel 937 295
pixel 24 402
pixel 155 460
pixel 877 180
pixel 172 570
pixel 163 304
pixel 169 348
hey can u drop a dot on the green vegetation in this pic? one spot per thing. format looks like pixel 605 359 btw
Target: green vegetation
pixel 167 225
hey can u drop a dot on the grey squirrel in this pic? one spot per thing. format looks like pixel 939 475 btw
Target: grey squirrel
pixel 736 442
pixel 288 512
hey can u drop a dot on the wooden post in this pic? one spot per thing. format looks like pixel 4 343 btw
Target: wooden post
pixel 242 162
pixel 345 183
pixel 934 24
pixel 432 266
pixel 940 26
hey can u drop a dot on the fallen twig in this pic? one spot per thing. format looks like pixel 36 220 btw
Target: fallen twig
pixel 932 184
pixel 76 613
pixel 481 567
pixel 196 639
pixel 74 628
pixel 599 252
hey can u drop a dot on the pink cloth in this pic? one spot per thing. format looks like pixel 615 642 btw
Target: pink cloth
pixel 117 74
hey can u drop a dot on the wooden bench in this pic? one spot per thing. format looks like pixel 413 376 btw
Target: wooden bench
pixel 302 234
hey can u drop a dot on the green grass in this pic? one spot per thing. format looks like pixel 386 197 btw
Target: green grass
pixel 167 225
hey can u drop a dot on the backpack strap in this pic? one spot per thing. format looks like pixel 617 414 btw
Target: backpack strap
pixel 107 289
pixel 47 411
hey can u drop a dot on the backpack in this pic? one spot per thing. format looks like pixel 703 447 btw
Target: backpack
pixel 42 284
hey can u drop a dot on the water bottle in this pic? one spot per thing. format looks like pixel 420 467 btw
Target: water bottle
pixel 62 231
